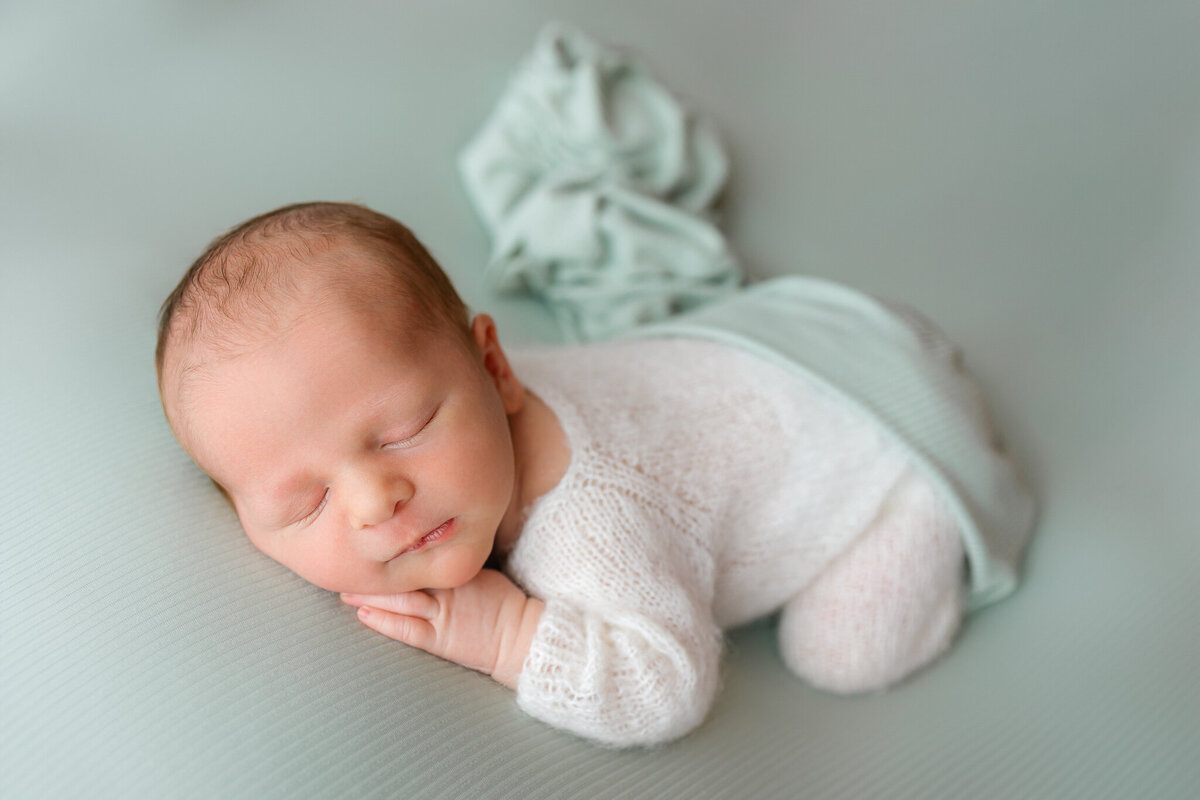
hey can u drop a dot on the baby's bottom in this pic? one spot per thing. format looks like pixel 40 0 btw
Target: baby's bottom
pixel 888 605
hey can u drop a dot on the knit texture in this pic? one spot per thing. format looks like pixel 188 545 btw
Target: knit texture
pixel 706 488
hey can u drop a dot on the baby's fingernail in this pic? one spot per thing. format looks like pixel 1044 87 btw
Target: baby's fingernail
pixel 348 598
pixel 364 612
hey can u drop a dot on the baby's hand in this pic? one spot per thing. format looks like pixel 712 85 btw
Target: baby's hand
pixel 485 624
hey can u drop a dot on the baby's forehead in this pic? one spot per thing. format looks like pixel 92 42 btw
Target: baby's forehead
pixel 352 305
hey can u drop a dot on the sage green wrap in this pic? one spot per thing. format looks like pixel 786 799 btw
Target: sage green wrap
pixel 599 190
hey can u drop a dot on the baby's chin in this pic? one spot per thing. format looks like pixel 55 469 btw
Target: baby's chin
pixel 445 576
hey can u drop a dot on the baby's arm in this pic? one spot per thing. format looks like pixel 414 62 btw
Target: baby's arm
pixel 625 680
pixel 637 675
pixel 486 624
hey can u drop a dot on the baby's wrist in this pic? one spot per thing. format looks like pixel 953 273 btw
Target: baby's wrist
pixel 515 646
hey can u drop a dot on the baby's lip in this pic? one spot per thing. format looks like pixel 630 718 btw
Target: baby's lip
pixel 425 538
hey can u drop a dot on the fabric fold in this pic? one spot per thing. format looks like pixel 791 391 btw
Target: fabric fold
pixel 598 188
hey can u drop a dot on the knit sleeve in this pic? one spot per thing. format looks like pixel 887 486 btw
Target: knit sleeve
pixel 620 681
pixel 626 652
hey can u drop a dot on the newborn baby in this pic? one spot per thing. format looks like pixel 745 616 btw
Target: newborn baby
pixel 640 496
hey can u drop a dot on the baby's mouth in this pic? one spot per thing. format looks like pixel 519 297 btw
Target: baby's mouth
pixel 437 534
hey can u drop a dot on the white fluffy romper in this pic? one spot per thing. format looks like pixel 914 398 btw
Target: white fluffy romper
pixel 708 487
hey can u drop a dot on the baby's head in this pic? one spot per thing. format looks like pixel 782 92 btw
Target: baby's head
pixel 317 363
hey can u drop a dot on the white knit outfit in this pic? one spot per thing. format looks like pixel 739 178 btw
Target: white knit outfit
pixel 707 488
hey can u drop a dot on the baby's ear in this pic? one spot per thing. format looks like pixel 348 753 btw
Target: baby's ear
pixel 495 362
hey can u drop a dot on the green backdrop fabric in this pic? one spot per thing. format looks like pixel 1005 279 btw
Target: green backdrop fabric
pixel 1025 174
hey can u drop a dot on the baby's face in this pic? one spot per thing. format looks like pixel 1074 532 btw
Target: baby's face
pixel 363 458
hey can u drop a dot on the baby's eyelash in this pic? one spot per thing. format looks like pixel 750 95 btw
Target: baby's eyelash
pixel 402 443
pixel 315 512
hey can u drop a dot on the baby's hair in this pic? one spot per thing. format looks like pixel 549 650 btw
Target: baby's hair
pixel 232 290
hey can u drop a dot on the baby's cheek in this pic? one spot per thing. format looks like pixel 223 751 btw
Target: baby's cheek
pixel 312 568
pixel 493 464
pixel 260 542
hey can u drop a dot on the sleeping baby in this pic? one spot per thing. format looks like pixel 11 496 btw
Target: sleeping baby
pixel 636 497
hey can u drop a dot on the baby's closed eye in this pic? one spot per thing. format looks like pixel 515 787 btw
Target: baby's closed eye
pixel 408 440
pixel 314 512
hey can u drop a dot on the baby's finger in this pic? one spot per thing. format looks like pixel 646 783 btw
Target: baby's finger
pixel 413 604
pixel 409 630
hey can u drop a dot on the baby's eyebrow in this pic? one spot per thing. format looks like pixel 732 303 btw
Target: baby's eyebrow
pixel 285 489
pixel 407 407
pixel 374 410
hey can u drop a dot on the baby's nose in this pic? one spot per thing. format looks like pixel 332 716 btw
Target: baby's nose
pixel 368 517
pixel 376 501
